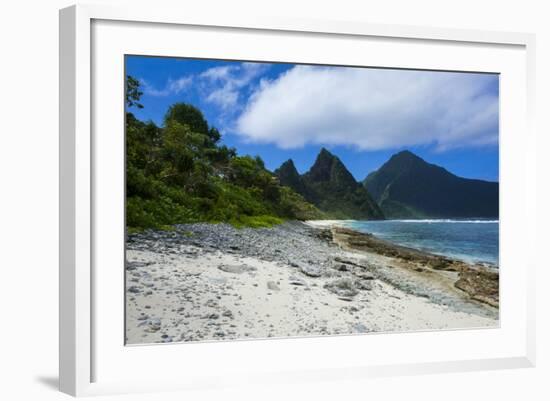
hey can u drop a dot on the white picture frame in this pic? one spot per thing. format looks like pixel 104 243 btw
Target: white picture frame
pixel 89 355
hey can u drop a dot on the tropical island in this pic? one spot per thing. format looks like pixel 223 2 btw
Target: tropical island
pixel 220 247
pixel 180 174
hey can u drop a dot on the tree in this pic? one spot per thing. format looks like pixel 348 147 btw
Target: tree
pixel 133 92
pixel 180 173
pixel 188 114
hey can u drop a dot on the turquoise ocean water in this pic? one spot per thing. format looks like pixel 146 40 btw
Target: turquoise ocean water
pixel 471 240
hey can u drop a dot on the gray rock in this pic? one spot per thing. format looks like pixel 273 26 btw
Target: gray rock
pixel 343 287
pixel 272 285
pixel 311 271
pixel 296 281
pixel 236 268
pixel 341 267
pixel 351 262
pixel 153 325
pixel 166 338
pixel 360 328
pixel 217 280
pixel 134 289
pixel 363 284
pixel 133 265
pixel 363 275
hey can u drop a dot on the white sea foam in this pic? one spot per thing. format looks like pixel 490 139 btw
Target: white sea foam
pixel 446 221
pixel 449 239
pixel 328 223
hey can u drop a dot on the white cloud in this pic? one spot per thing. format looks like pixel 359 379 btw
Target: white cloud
pixel 224 97
pixel 173 87
pixel 223 86
pixel 218 73
pixel 371 109
pixel 178 85
pixel 224 83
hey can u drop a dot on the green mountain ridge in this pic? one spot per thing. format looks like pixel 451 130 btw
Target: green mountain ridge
pixel 330 187
pixel 407 186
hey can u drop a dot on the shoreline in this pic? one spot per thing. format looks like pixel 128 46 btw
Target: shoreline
pixel 480 281
pixel 206 282
pixel 323 224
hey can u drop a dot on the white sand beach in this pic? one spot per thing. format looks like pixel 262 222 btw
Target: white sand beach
pixel 181 291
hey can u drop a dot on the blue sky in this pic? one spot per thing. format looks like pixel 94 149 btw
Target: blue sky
pixel 282 111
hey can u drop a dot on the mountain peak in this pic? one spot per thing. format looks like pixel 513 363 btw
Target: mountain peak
pixel 325 152
pixel 289 176
pixel 328 167
pixel 324 157
pixel 406 156
pixel 330 186
pixel 408 186
pixel 288 164
pixel 287 170
pixel 405 161
pixel 406 153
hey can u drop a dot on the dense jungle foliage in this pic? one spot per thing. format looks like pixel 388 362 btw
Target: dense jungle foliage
pixel 180 173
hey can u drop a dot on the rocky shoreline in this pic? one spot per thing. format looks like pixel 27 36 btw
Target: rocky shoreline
pixel 203 282
pixel 479 281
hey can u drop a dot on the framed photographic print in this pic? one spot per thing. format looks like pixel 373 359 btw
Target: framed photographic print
pixel 352 197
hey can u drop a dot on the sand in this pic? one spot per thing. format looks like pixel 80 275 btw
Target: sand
pixel 198 294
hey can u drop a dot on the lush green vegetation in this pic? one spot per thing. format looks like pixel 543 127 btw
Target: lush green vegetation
pixel 180 173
